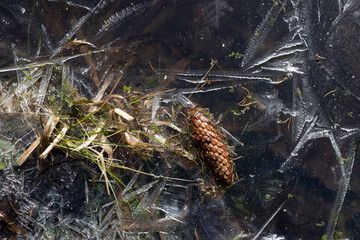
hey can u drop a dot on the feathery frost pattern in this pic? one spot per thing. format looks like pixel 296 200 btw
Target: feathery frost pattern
pixel 213 10
pixel 260 34
pixel 117 17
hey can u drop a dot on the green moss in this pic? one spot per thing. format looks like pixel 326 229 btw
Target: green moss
pixel 237 112
pixel 236 54
pixel 154 128
pixel 337 235
pixel 126 89
pixel 2 164
pixel 343 160
pixel 290 196
pixel 267 197
pixel 321 224
pixel 241 204
pixel 152 82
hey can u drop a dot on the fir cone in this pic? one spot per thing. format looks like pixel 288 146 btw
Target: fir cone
pixel 209 143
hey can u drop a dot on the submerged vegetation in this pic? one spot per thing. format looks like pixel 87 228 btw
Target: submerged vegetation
pixel 121 134
pixel 94 143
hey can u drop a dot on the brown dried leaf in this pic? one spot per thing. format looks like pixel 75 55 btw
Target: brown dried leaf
pixel 107 148
pixel 138 144
pixel 117 125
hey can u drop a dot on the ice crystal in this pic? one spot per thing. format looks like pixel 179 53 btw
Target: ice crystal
pixel 120 16
pixel 213 10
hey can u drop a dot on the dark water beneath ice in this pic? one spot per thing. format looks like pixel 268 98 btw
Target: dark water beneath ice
pixel 298 60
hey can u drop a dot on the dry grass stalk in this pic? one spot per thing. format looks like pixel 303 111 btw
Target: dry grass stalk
pixel 123 114
pixel 103 170
pixel 53 144
pixel 28 151
pixel 106 148
pixel 89 140
pixel 48 129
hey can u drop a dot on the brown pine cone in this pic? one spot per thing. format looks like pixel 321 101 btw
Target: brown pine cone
pixel 209 143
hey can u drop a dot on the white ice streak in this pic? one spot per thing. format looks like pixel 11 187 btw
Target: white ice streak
pixel 32 77
pixel 149 198
pixel 305 137
pixel 74 29
pixel 46 37
pixel 118 17
pixel 260 34
pixel 345 167
pixel 344 9
pixel 171 211
pixel 132 182
pixel 195 77
pixel 59 60
pixel 234 139
pixel 182 100
pixel 45 80
pixel 224 78
pixel 348 132
pixel 155 107
pixel 213 10
pixel 269 220
pixel 346 170
pixel 143 189
pixel 70 3
pixel 65 76
pixel 277 54
pixel 192 91
pixel 289 68
pixel 20 76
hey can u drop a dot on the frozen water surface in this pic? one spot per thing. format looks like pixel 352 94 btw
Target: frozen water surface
pixel 296 63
